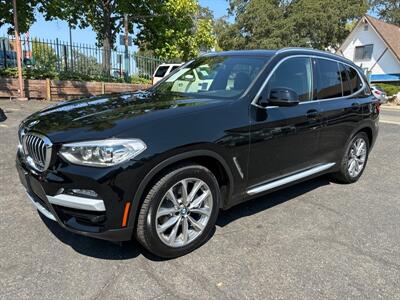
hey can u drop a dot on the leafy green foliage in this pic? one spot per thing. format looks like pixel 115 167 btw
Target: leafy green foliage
pixel 388 10
pixel 25 10
pixel 63 75
pixel 390 88
pixel 44 56
pixel 139 80
pixel 181 30
pixel 105 18
pixel 275 24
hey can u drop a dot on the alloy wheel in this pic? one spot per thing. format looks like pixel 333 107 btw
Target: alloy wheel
pixel 184 212
pixel 357 157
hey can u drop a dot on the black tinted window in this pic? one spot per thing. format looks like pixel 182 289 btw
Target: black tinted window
pixel 174 68
pixel 355 80
pixel 329 82
pixel 346 84
pixel 295 74
pixel 161 71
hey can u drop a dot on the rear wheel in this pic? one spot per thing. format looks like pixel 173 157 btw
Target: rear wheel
pixel 179 212
pixel 354 160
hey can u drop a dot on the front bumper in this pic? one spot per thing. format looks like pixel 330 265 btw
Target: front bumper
pixel 98 218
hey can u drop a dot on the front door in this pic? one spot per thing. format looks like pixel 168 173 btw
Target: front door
pixel 284 140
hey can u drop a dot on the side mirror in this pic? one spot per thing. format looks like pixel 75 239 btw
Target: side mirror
pixel 283 97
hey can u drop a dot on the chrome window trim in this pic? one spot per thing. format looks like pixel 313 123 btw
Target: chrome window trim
pixel 255 99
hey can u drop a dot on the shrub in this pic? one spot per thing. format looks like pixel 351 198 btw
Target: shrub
pixel 390 88
pixel 139 80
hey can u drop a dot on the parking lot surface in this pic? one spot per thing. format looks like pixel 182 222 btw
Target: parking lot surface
pixel 315 240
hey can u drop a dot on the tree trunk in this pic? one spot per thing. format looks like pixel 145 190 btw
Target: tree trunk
pixel 107 39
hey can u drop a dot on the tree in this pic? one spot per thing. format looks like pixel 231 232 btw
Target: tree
pixel 44 56
pixel 180 30
pixel 104 16
pixel 25 10
pixel 388 10
pixel 274 24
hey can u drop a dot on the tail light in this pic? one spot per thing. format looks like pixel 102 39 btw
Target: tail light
pixel 378 107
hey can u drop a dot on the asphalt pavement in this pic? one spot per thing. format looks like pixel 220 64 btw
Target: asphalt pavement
pixel 315 240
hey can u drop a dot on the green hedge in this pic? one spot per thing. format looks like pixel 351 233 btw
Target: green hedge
pixel 75 76
pixel 390 88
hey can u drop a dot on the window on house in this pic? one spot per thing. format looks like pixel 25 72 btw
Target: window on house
pixel 363 52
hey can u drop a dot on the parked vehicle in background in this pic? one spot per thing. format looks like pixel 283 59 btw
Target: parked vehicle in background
pixel 8 58
pixel 163 70
pixel 379 93
pixel 158 165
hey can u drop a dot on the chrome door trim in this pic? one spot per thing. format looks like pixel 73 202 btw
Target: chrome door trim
pixel 291 178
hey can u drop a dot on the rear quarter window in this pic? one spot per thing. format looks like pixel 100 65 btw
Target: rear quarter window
pixel 355 80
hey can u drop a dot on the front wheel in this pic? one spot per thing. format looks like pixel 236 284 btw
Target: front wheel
pixel 179 212
pixel 354 160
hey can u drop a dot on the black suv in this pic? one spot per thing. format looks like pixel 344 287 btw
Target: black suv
pixel 226 127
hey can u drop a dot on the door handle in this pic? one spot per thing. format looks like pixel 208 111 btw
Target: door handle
pixel 312 114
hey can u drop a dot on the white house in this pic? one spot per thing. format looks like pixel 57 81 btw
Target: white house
pixel 374 46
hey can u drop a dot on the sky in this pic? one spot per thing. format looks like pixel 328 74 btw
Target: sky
pixel 51 30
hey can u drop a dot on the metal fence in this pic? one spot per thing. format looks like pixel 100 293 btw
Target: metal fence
pixel 75 60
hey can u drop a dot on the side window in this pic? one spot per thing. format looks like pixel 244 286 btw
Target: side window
pixel 329 82
pixel 346 83
pixel 296 74
pixel 161 71
pixel 355 80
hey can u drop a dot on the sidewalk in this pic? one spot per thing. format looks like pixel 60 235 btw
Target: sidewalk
pixel 390 107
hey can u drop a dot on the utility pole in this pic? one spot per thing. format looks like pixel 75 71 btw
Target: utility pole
pixel 126 42
pixel 70 46
pixel 18 42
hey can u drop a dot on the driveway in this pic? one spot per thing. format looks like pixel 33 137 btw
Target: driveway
pixel 315 240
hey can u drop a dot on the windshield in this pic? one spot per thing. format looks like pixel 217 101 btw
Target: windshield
pixel 214 77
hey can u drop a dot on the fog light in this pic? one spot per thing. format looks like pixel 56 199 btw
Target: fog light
pixel 84 193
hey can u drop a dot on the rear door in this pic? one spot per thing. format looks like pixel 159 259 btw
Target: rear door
pixel 284 140
pixel 339 88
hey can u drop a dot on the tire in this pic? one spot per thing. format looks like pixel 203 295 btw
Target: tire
pixel 345 175
pixel 191 228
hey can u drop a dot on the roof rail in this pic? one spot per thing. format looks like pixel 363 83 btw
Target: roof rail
pixel 287 49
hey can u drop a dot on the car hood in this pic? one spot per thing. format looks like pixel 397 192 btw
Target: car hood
pixel 108 115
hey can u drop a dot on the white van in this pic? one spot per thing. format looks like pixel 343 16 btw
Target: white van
pixel 163 70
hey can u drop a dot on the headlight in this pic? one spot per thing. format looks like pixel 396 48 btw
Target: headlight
pixel 102 153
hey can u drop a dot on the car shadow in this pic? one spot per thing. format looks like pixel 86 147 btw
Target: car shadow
pixel 132 249
pixel 262 203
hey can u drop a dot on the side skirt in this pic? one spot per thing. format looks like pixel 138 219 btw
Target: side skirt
pixel 288 179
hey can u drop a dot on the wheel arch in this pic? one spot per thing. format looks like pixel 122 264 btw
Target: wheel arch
pixel 210 159
pixel 368 131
